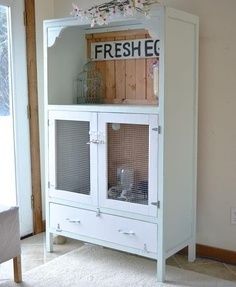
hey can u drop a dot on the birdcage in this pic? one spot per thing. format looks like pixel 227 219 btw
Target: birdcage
pixel 88 85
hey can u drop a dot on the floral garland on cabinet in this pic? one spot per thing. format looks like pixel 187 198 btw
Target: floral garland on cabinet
pixel 101 14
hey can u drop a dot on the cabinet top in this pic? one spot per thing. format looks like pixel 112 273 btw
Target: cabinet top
pixel 114 108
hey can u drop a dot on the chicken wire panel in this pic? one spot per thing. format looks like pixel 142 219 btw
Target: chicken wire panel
pixel 128 158
pixel 72 156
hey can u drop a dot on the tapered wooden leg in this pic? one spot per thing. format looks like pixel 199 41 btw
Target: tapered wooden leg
pixel 17 269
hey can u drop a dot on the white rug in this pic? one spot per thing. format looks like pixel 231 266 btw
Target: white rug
pixel 93 266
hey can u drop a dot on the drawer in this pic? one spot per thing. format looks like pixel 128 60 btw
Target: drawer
pixel 113 229
pixel 73 220
pixel 128 232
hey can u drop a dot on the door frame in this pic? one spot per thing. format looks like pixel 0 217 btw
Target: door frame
pixel 29 19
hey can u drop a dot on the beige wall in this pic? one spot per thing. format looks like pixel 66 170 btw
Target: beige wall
pixel 217 116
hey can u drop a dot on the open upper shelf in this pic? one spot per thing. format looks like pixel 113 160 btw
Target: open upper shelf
pixel 68 46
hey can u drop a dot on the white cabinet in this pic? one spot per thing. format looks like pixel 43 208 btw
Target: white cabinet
pixel 123 173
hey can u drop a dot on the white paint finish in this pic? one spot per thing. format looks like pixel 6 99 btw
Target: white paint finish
pixel 217 155
pixel 99 151
pixel 161 250
pixel 179 129
pixel 53 192
pixel 170 119
pixel 122 231
pixel 131 109
pixel 21 125
pixel 152 122
pixel 153 165
pixel 71 50
pixel 53 34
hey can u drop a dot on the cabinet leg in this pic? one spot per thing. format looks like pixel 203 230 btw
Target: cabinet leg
pixel 49 242
pixel 192 252
pixel 17 269
pixel 161 270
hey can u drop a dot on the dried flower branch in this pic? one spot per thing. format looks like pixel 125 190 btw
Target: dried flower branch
pixel 101 14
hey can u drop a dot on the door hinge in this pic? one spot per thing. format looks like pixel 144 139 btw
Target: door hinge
pixel 49 184
pixel 32 201
pixel 29 112
pixel 158 129
pixel 157 204
pixel 25 18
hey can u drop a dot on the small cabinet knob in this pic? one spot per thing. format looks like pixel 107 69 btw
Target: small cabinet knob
pixel 76 221
pixel 126 232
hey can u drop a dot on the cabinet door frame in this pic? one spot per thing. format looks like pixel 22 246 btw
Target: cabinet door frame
pixel 92 198
pixel 125 118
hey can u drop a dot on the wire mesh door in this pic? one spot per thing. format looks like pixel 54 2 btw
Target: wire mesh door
pixel 72 156
pixel 71 172
pixel 127 165
pixel 129 179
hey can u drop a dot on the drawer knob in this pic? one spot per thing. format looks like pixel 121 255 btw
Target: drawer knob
pixel 126 232
pixel 58 229
pixel 73 221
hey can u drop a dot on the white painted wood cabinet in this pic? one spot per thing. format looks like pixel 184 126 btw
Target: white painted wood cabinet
pixel 123 176
pixel 104 160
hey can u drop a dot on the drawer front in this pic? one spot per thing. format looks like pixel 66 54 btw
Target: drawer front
pixel 129 232
pixel 74 220
pixel 114 229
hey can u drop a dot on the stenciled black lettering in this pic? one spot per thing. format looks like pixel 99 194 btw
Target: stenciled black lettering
pixel 156 47
pixel 107 51
pixel 118 50
pixel 149 48
pixel 98 50
pixel 126 47
pixel 136 47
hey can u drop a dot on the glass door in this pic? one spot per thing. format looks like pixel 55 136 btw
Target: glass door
pixel 7 150
pixel 73 156
pixel 128 162
pixel 15 170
